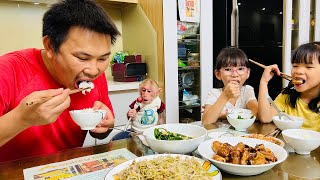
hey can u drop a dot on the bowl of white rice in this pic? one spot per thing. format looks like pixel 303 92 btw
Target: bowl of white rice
pixel 283 123
pixel 87 119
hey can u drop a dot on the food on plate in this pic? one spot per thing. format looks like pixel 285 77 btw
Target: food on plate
pixel 263 137
pixel 88 110
pixel 87 86
pixel 163 134
pixel 242 154
pixel 164 167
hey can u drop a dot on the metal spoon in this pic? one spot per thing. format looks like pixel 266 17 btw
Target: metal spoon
pixel 281 114
pixel 130 132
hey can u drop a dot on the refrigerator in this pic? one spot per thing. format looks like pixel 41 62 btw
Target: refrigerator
pixel 255 26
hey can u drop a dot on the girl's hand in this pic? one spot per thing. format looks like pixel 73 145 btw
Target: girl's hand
pixel 108 120
pixel 268 73
pixel 43 112
pixel 131 113
pixel 232 90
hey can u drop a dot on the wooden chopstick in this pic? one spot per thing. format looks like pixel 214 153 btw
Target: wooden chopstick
pixel 259 64
pixel 38 100
pixel 273 132
pixel 285 76
pixel 277 133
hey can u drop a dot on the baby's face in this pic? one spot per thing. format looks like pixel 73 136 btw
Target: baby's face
pixel 239 74
pixel 148 93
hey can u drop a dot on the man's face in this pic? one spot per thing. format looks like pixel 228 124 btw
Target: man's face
pixel 83 56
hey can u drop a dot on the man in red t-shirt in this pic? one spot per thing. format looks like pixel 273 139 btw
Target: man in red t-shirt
pixel 77 37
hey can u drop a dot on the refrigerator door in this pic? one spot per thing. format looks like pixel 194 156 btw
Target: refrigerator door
pixel 256 28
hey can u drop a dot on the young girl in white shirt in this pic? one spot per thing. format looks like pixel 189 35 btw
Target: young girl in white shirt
pixel 232 68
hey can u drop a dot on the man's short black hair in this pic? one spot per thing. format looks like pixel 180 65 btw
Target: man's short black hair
pixel 65 14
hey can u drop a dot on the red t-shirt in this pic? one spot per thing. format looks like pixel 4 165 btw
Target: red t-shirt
pixel 23 72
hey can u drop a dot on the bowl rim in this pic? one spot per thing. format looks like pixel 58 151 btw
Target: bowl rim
pixel 245 111
pixel 81 111
pixel 253 118
pixel 285 133
pixel 299 119
pixel 183 140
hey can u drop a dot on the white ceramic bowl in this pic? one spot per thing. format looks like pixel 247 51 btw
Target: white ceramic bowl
pixel 197 133
pixel 237 169
pixel 87 119
pixel 241 121
pixel 288 124
pixel 303 141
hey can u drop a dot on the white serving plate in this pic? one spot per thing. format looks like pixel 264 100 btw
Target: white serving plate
pixel 242 170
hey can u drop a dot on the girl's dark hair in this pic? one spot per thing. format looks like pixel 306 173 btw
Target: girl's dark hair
pixel 231 56
pixel 305 54
pixel 66 14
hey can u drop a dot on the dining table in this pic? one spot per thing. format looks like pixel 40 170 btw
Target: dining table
pixel 294 167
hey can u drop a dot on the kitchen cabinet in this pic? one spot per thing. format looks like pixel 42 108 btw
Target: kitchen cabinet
pixel 188 64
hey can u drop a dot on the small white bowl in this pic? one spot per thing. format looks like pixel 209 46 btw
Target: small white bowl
pixel 288 124
pixel 241 121
pixel 87 119
pixel 303 141
pixel 197 133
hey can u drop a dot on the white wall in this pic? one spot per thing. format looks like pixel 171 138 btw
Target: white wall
pixel 20 26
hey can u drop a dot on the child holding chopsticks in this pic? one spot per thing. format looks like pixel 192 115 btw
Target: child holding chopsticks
pixel 146 111
pixel 301 100
pixel 232 68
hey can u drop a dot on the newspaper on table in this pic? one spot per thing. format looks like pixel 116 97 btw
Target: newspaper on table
pixel 86 167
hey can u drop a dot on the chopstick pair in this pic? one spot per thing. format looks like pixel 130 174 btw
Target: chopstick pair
pixel 274 133
pixel 38 100
pixel 285 76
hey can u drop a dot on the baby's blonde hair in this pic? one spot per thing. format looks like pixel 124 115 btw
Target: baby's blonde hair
pixel 155 86
pixel 153 83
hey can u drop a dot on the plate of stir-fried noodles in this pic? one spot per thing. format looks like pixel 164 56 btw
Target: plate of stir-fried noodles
pixel 165 166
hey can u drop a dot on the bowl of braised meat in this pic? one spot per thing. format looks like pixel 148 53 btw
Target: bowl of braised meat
pixel 242 156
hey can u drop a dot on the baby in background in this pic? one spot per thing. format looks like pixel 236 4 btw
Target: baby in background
pixel 232 69
pixel 148 109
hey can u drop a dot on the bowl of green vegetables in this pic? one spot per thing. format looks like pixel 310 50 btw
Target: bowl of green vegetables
pixel 180 138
